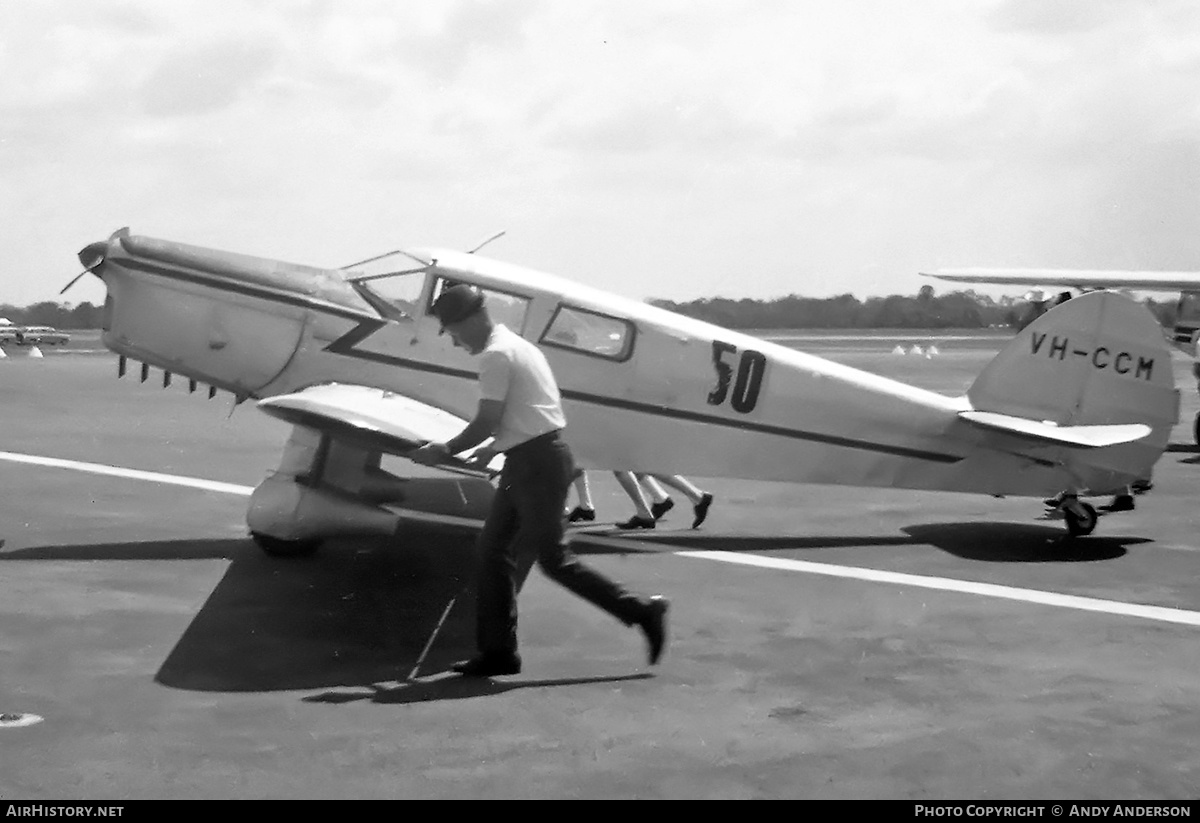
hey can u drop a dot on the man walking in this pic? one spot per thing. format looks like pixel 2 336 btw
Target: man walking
pixel 521 408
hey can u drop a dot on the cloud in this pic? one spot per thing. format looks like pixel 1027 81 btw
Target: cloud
pixel 1059 17
pixel 470 27
pixel 208 77
pixel 824 147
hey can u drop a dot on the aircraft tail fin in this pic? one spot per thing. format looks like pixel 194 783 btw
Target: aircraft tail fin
pixel 1094 371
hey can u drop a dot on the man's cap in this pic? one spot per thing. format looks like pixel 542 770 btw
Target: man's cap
pixel 457 303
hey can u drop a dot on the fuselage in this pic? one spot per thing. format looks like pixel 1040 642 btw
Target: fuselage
pixel 644 389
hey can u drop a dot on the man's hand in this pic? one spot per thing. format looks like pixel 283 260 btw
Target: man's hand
pixel 430 454
pixel 482 457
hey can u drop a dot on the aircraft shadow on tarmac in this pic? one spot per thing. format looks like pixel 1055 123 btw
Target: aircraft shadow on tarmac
pixel 148 550
pixel 365 612
pixel 658 542
pixel 453 687
pixel 357 612
pixel 983 541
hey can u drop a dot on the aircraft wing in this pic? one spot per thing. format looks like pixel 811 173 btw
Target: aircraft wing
pixel 373 419
pixel 1090 437
pixel 1076 278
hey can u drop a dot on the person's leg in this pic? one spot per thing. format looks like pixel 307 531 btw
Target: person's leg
pixel 701 500
pixel 537 499
pixel 500 577
pixel 678 481
pixel 1121 503
pixel 662 501
pixel 657 493
pixel 644 518
pixel 586 510
pixel 584 490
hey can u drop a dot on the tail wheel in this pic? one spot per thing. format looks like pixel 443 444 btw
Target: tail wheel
pixel 277 547
pixel 1081 519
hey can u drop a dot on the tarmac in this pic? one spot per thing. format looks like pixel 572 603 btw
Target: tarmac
pixel 826 642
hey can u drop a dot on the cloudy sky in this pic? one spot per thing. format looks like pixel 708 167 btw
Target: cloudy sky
pixel 659 148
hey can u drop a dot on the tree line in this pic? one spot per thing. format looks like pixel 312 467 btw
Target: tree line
pixel 925 310
pixel 58 315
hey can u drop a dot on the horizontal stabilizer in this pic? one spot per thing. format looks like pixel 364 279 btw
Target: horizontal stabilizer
pixel 1085 436
pixel 369 417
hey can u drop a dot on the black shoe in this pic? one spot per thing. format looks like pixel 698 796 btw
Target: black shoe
pixel 637 522
pixel 489 665
pixel 580 513
pixel 1141 486
pixel 654 625
pixel 659 509
pixel 1120 503
pixel 701 510
pixel 1054 502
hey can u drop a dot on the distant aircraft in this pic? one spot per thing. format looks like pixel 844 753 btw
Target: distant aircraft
pixel 1082 402
pixel 40 335
pixel 1187 316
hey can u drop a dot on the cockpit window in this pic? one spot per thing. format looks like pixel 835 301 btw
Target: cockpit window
pixel 589 332
pixel 503 307
pixel 392 283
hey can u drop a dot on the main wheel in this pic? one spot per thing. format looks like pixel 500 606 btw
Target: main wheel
pixel 277 547
pixel 1078 524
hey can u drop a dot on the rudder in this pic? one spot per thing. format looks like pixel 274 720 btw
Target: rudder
pixel 1099 359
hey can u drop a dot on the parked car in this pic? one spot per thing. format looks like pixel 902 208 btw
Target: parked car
pixel 8 333
pixel 41 336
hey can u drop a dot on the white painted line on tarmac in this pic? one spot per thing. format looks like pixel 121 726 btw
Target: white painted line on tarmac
pixel 133 474
pixel 1068 601
pixel 207 485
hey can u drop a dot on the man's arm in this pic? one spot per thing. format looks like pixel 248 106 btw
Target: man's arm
pixel 481 427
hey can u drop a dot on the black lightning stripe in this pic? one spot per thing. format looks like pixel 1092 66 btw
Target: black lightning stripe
pixel 346 345
pixel 763 428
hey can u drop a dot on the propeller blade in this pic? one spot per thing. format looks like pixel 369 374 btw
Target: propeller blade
pixel 74 280
pixel 91 256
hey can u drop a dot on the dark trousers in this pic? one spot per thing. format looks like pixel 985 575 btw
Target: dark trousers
pixel 526 524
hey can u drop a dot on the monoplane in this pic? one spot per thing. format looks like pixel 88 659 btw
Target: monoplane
pixel 1081 402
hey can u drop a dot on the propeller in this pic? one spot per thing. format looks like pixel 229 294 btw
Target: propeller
pixel 91 257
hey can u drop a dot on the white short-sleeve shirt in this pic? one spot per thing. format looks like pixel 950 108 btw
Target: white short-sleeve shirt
pixel 515 372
